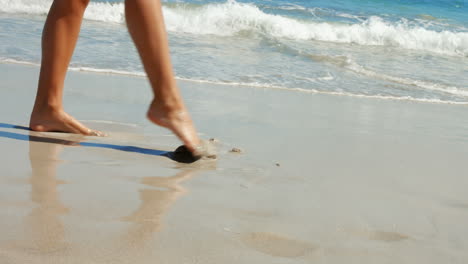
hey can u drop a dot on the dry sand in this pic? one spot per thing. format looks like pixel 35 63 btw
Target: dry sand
pixel 320 179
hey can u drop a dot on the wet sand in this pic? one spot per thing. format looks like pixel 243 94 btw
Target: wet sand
pixel 319 179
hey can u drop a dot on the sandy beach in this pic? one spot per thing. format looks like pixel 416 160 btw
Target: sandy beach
pixel 319 179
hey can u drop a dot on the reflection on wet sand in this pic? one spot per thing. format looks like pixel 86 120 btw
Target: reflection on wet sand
pixel 46 233
pixel 44 223
pixel 277 245
pixel 154 204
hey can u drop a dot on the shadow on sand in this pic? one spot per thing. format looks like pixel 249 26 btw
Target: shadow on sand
pixel 181 154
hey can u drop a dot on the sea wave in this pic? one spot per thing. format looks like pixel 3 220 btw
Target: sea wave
pixel 254 85
pixel 232 18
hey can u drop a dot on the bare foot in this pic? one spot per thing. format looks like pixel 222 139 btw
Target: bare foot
pixel 58 121
pixel 178 121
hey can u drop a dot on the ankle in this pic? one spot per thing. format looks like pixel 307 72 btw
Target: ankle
pixel 167 105
pixel 40 107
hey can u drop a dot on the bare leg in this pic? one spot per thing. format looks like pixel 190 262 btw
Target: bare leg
pixel 146 26
pixel 58 42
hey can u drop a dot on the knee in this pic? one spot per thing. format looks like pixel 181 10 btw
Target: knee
pixel 80 3
pixel 140 3
pixel 73 5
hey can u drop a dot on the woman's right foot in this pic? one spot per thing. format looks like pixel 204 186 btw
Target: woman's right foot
pixel 178 120
pixel 48 120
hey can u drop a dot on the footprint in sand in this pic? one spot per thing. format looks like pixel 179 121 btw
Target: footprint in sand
pixel 387 236
pixel 380 235
pixel 277 245
pixel 458 205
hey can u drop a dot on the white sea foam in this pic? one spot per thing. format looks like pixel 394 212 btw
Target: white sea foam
pixel 107 71
pixel 291 7
pixel 448 89
pixel 34 7
pixel 232 18
pixel 347 63
pixel 335 93
pixel 98 11
pixel 345 15
pixel 256 85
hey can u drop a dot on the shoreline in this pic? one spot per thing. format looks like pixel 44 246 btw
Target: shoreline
pixel 111 72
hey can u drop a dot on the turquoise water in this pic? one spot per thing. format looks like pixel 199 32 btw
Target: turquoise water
pixel 455 11
pixel 452 11
pixel 396 50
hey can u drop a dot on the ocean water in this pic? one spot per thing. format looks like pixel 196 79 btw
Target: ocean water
pixel 413 50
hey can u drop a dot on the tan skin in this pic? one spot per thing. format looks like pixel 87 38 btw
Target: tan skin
pixel 146 26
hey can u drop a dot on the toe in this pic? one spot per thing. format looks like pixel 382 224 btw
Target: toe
pixel 97 133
